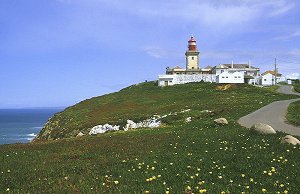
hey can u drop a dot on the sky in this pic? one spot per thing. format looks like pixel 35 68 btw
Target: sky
pixel 55 53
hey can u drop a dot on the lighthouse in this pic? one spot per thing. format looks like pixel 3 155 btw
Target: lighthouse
pixel 192 55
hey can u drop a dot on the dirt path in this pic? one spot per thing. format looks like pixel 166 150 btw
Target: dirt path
pixel 273 114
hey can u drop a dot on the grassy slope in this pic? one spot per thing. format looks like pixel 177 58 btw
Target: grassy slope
pixel 183 154
pixel 293 115
pixel 144 100
pixel 297 88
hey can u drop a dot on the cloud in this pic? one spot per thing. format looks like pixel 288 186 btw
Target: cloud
pixel 213 13
pixel 159 52
pixel 293 76
pixel 209 12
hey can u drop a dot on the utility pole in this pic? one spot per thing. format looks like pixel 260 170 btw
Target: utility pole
pixel 275 81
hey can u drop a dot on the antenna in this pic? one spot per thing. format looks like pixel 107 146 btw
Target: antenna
pixel 275 71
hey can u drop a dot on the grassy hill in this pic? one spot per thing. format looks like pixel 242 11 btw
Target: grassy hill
pixel 142 101
pixel 178 157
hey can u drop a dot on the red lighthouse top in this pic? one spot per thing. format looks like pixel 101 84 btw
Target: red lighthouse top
pixel 192 44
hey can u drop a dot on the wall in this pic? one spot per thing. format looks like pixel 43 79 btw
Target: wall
pixel 267 80
pixel 165 80
pixel 192 63
pixel 230 78
pixel 183 79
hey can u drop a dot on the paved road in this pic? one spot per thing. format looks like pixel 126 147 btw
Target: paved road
pixel 273 114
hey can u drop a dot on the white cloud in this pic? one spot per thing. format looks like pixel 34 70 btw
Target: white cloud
pixel 156 52
pixel 211 13
pixel 293 76
pixel 159 52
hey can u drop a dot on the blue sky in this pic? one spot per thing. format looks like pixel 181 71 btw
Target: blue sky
pixel 59 52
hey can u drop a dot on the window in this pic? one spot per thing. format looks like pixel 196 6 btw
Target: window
pixel 223 77
pixel 226 77
pixel 222 71
pixel 239 77
pixel 235 77
pixel 192 58
pixel 265 79
pixel 193 67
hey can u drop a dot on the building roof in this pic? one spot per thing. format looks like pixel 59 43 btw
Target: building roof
pixel 192 39
pixel 235 66
pixel 271 72
pixel 177 67
pixel 208 67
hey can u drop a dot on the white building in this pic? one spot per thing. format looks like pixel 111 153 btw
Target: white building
pixel 250 73
pixel 268 78
pixel 223 73
pixel 192 72
pixel 230 78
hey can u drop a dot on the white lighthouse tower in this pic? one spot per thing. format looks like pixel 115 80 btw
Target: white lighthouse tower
pixel 192 55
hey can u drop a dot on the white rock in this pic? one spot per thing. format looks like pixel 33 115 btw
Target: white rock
pixel 290 140
pixel 103 128
pixel 187 110
pixel 189 119
pixel 263 128
pixel 222 121
pixel 151 123
pixel 80 134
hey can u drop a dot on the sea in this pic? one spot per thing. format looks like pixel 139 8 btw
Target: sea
pixel 22 125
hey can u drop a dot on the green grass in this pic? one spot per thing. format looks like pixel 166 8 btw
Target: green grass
pixel 180 157
pixel 293 115
pixel 273 88
pixel 144 100
pixel 297 88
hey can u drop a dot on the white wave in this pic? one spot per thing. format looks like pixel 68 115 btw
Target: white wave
pixel 31 135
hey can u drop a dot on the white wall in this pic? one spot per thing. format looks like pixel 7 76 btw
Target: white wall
pixel 183 79
pixel 267 80
pixel 165 80
pixel 225 77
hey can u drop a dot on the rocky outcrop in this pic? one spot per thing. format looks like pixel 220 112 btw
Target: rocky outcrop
pixel 80 134
pixel 189 119
pixel 149 123
pixel 290 140
pixel 262 128
pixel 103 128
pixel 221 121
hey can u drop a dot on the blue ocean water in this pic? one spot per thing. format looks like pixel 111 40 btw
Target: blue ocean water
pixel 22 125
